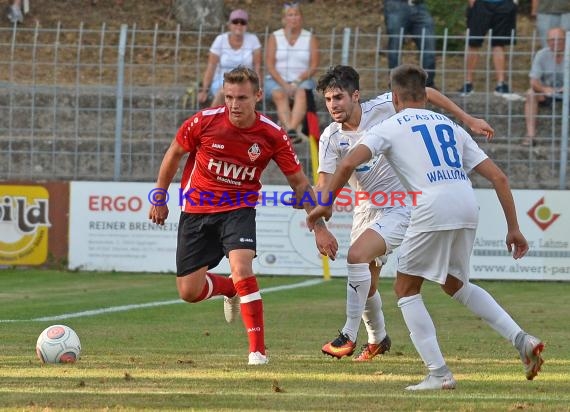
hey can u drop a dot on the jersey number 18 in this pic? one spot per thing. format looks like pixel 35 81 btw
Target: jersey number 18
pixel 447 142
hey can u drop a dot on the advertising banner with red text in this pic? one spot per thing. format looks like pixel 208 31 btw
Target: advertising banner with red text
pixel 110 230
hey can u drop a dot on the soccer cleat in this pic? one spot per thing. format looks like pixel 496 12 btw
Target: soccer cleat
pixel 531 356
pixel 341 346
pixel 434 383
pixel 257 358
pixel 231 308
pixel 370 350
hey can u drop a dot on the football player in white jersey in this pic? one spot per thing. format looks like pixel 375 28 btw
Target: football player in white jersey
pixel 378 225
pixel 433 155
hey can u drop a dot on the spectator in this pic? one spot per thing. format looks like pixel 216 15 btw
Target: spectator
pixel 292 58
pixel 549 14
pixel 410 17
pixel 500 16
pixel 546 80
pixel 230 49
pixel 15 14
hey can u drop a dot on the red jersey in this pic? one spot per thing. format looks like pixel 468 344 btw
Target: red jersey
pixel 224 167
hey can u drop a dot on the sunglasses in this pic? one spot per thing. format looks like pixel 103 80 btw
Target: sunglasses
pixel 240 22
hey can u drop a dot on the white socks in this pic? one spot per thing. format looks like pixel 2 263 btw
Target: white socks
pixel 422 331
pixel 357 288
pixel 373 318
pixel 482 304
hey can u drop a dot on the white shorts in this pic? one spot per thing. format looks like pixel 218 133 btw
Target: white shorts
pixel 390 223
pixel 434 255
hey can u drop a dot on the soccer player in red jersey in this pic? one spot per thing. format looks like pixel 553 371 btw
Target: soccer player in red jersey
pixel 229 147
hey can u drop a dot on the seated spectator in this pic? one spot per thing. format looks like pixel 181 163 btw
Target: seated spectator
pixel 546 80
pixel 15 14
pixel 292 58
pixel 233 48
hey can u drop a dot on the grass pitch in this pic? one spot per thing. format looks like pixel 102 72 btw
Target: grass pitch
pixel 143 349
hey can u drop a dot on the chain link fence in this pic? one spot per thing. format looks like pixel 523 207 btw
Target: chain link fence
pixel 104 104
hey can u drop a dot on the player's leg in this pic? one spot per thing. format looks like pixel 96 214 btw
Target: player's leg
pixel 373 317
pixel 483 305
pixel 359 281
pixel 239 243
pixel 251 304
pixel 390 225
pixel 426 254
pixel 198 249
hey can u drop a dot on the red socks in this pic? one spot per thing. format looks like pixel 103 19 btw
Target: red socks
pixel 252 313
pixel 216 285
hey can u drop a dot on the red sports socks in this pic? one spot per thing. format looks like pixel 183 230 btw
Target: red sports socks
pixel 252 313
pixel 216 285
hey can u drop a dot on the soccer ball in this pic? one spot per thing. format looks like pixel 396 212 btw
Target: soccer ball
pixel 58 344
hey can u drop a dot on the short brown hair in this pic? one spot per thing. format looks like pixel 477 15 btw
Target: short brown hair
pixel 409 81
pixel 240 75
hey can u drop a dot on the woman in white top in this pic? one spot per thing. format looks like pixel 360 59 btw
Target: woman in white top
pixel 230 49
pixel 292 58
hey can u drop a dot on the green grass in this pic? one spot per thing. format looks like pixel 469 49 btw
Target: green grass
pixel 185 357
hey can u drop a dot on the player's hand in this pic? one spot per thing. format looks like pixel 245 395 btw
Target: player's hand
pixel 516 243
pixel 317 213
pixel 481 127
pixel 326 242
pixel 158 214
pixel 296 203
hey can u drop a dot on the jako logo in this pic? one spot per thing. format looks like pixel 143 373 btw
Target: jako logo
pixel 542 215
pixel 217 146
pixel 24 224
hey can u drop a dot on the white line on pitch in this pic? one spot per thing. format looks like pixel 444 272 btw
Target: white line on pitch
pixel 125 308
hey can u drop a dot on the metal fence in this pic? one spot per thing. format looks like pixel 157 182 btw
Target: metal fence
pixel 104 104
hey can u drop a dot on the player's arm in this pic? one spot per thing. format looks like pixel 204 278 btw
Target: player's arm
pixel 168 168
pixel 360 154
pixel 490 171
pixel 477 126
pixel 323 180
pixel 326 242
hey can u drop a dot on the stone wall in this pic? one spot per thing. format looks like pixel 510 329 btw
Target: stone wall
pixel 62 133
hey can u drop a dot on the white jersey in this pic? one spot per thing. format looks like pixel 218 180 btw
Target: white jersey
pixel 432 155
pixel 334 144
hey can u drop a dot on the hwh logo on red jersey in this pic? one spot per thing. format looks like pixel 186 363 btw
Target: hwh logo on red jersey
pixel 225 169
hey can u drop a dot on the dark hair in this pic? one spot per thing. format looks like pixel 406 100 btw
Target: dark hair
pixel 339 77
pixel 240 75
pixel 409 81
